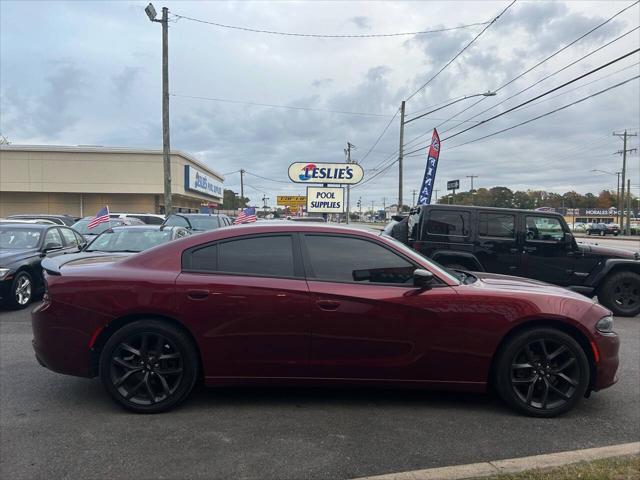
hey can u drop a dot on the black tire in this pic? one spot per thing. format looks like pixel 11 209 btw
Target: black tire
pixel 620 293
pixel 602 233
pixel 564 376
pixel 22 290
pixel 132 365
pixel 589 232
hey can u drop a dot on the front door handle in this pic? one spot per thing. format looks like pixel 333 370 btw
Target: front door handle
pixel 328 304
pixel 197 294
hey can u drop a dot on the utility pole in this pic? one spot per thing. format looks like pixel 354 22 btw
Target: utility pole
pixel 264 203
pixel 436 190
pixel 472 191
pixel 628 232
pixel 400 157
pixel 618 200
pixel 347 152
pixel 624 151
pixel 242 186
pixel 413 202
pixel 372 213
pixel 166 147
pixel 384 207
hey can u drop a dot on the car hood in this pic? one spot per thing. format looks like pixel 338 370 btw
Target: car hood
pixel 9 257
pixel 54 265
pixel 495 281
pixel 609 252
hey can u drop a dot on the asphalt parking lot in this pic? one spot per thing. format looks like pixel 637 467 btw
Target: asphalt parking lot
pixel 53 426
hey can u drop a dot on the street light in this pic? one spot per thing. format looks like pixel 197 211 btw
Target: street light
pixel 166 147
pixel 403 122
pixel 617 191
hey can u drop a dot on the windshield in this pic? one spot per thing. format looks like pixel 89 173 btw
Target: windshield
pixel 18 238
pixel 129 240
pixel 452 275
pixel 81 226
pixel 202 223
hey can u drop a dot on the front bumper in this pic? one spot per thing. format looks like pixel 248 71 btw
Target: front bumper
pixel 607 347
pixel 5 287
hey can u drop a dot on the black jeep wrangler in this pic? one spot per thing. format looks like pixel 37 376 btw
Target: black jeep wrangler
pixel 525 243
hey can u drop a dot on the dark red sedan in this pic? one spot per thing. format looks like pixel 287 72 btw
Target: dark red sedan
pixel 309 304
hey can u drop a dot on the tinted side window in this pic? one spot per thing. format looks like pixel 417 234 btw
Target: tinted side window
pixel 69 237
pixel 448 222
pixel 269 255
pixel 496 225
pixel 175 220
pixel 347 259
pixel 544 228
pixel 205 259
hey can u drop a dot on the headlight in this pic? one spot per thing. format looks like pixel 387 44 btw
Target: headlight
pixel 3 272
pixel 605 325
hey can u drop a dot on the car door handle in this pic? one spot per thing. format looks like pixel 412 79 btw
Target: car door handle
pixel 328 304
pixel 513 250
pixel 197 294
pixel 529 249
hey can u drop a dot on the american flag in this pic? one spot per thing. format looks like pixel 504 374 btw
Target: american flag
pixel 101 217
pixel 247 215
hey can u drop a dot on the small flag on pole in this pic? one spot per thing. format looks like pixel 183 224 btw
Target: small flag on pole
pixel 101 217
pixel 247 215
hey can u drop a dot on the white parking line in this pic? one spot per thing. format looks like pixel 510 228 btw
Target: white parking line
pixel 513 465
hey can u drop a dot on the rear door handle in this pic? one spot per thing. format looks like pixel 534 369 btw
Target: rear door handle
pixel 197 294
pixel 328 304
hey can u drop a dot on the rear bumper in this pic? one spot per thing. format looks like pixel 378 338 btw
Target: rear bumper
pixel 59 346
pixel 607 366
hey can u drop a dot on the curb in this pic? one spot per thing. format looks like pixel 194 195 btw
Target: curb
pixel 513 465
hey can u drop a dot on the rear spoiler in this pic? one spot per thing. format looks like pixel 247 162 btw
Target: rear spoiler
pixel 53 265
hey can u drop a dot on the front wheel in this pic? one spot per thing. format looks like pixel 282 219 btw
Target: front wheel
pixel 620 293
pixel 149 366
pixel 21 290
pixel 542 372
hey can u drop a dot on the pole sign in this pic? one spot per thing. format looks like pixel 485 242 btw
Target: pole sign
pixel 453 185
pixel 293 201
pixel 341 173
pixel 325 200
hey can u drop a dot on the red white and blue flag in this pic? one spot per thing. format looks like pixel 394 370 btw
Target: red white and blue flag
pixel 430 170
pixel 246 215
pixel 101 217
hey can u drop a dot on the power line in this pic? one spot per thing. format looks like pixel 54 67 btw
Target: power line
pixel 573 80
pixel 488 24
pixel 570 44
pixel 271 105
pixel 267 178
pixel 379 137
pixel 316 35
pixel 548 113
pixel 554 73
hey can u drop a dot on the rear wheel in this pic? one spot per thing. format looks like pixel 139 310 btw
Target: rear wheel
pixel 149 366
pixel 21 290
pixel 602 233
pixel 542 372
pixel 620 293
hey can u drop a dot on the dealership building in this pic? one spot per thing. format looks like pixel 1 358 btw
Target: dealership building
pixel 80 180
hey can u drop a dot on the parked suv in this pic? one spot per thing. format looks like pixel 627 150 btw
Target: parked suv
pixel 525 243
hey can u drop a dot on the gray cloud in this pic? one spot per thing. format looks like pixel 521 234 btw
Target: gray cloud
pixel 361 22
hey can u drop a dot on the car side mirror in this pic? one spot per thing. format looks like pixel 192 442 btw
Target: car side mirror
pixel 568 238
pixel 422 278
pixel 52 246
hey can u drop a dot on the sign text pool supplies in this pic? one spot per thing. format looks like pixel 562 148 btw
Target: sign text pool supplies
pixel 325 200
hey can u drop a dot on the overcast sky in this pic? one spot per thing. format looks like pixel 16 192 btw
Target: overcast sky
pixel 89 73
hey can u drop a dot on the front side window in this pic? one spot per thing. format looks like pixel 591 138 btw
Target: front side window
pixel 448 222
pixel 348 259
pixel 177 221
pixel 69 237
pixel 496 225
pixel 52 236
pixel 544 228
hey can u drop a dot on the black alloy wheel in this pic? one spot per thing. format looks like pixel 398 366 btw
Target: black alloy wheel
pixel 148 366
pixel 620 293
pixel 542 372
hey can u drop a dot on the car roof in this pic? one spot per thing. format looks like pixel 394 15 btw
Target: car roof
pixel 146 227
pixel 31 226
pixel 199 214
pixel 488 209
pixel 40 215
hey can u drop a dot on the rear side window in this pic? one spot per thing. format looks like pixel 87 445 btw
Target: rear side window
pixel 347 259
pixel 175 220
pixel 269 256
pixel 544 229
pixel 448 222
pixel 496 225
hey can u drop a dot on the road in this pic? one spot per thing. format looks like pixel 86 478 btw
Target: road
pixel 628 243
pixel 53 426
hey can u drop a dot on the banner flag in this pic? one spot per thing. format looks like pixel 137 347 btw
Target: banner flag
pixel 430 170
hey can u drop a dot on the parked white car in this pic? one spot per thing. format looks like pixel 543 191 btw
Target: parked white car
pixel 148 218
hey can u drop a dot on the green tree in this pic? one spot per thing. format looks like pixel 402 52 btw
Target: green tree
pixel 231 201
